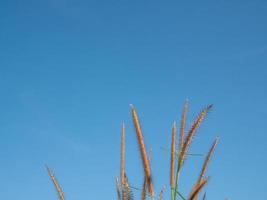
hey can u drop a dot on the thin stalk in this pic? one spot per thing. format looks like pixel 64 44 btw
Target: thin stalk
pixel 177 181
pixel 180 195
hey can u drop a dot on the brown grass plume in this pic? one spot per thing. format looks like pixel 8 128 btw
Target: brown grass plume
pixel 192 132
pixel 182 126
pixel 197 189
pixel 140 138
pixel 56 184
pixel 206 162
pixel 122 167
pixel 173 155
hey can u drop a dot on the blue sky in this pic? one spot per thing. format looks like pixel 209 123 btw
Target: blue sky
pixel 69 70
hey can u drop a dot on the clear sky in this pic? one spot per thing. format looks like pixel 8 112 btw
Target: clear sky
pixel 69 70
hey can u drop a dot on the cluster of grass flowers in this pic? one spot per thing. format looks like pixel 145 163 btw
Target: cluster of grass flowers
pixel 178 157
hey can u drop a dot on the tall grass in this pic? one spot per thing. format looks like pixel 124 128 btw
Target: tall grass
pixel 177 159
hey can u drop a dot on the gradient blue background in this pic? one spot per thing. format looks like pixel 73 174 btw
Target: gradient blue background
pixel 69 70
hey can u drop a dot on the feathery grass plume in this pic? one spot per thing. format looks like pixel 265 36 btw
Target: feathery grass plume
pixel 144 189
pixel 187 142
pixel 56 184
pixel 173 155
pixel 192 132
pixel 206 162
pixel 118 188
pixel 183 123
pixel 122 170
pixel 161 194
pixel 197 189
pixel 146 164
